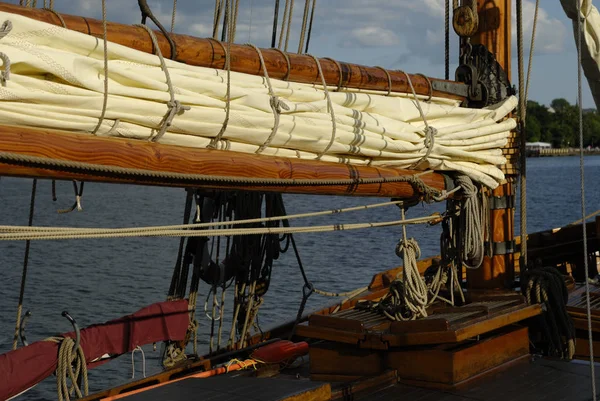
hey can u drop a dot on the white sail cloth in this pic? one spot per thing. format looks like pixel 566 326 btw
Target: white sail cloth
pixel 57 79
pixel 590 52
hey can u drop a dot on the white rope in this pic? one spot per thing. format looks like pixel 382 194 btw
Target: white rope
pixel 102 233
pixel 202 225
pixel 105 42
pixel 276 104
pixel 415 289
pixel 472 218
pixel 175 107
pixel 138 348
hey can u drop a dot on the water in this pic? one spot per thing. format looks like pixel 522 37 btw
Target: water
pixel 98 280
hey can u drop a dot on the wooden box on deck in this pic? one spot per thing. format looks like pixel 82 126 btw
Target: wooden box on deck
pixel 449 365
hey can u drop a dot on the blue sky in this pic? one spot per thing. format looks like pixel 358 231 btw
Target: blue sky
pixel 396 34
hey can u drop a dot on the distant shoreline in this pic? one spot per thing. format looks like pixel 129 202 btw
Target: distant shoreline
pixel 561 152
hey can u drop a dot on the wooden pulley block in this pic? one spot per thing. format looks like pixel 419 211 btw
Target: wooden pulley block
pixel 465 21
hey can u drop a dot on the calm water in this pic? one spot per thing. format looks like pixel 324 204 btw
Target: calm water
pixel 98 280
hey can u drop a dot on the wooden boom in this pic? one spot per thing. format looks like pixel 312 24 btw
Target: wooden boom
pixel 211 54
pixel 159 158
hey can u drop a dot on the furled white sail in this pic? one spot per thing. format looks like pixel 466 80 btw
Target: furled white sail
pixel 57 79
pixel 590 52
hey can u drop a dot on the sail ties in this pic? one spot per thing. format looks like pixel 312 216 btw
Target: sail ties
pixel 175 106
pixel 5 75
pixel 329 108
pixel 276 104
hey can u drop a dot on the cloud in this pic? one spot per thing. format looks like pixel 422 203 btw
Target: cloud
pixel 371 36
pixel 550 32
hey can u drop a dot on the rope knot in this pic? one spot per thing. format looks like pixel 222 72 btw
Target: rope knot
pixel 278 105
pixel 5 28
pixel 469 189
pixel 411 246
pixel 5 75
pixel 175 108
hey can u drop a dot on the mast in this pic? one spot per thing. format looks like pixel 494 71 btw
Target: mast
pixel 497 271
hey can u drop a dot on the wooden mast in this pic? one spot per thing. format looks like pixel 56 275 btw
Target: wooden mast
pixel 211 54
pixel 497 271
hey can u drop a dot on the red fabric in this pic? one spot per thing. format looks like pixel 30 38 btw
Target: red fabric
pixel 281 351
pixel 27 366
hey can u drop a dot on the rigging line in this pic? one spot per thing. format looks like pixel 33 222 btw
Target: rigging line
pixel 582 19
pixel 105 42
pixel 25 264
pixel 283 23
pixel 304 26
pixel 226 33
pixel 275 23
pixel 310 25
pixel 447 40
pixel 195 226
pixel 531 47
pixel 250 24
pixel 235 19
pixel 523 156
pixel 287 35
pixel 56 235
pixel 173 15
pixel 217 17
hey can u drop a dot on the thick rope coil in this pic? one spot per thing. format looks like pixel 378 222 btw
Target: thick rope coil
pixel 546 286
pixel 5 75
pixel 175 107
pixel 415 289
pixel 5 28
pixel 71 366
pixel 276 104
pixel 471 224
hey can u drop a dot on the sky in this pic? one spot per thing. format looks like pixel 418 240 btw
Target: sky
pixel 396 34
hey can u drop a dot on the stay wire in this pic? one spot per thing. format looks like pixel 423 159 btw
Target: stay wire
pixel 582 19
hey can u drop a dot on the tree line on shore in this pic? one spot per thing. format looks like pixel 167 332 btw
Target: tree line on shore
pixel 559 124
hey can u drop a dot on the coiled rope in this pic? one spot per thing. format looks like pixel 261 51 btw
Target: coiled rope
pixel 71 366
pixel 471 224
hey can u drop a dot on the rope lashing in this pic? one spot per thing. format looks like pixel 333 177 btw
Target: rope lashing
pixel 471 224
pixel 53 11
pixel 389 78
pixel 429 131
pixel 105 45
pixel 339 67
pixel 147 13
pixel 5 74
pixel 213 143
pixel 276 104
pixel 175 106
pixel 288 63
pixel 329 108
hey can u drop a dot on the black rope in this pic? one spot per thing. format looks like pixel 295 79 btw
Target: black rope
pixel 78 195
pixel 275 23
pixel 147 13
pixel 447 40
pixel 225 32
pixel 175 287
pixel 556 325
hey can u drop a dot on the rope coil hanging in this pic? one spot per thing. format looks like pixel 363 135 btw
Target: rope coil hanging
pixel 471 224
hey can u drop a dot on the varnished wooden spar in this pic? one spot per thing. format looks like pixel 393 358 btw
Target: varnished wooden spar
pixel 210 53
pixel 136 154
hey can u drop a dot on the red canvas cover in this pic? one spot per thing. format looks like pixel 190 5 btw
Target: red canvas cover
pixel 27 366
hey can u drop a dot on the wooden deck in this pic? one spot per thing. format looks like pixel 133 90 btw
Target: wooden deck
pixel 535 380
